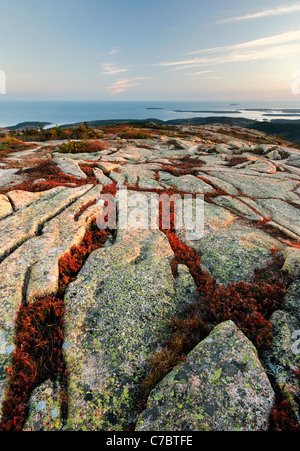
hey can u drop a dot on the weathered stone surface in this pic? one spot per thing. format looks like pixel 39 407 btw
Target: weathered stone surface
pixel 263 166
pixel 69 167
pixel 238 207
pixel 222 148
pixel 133 175
pixel 119 308
pixel 283 358
pixel 292 300
pixel 58 237
pixel 274 155
pixel 22 199
pixel 117 313
pixel 220 184
pixel 107 166
pixel 284 214
pixel 259 186
pixel 101 178
pixel 222 386
pixel 5 206
pixel 32 270
pixel 186 183
pixel 216 218
pixel 9 177
pixel 25 224
pixel 232 254
pixel 292 261
pixel 294 160
pixel 44 409
pixel 91 156
pixel 184 287
pixel 128 153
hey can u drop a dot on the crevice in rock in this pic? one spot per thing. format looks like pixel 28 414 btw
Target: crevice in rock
pixel 39 338
pixel 248 305
pixel 26 284
pixel 283 417
pixel 39 228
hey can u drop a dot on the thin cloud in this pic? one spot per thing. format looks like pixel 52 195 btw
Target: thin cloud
pixel 201 72
pixel 111 69
pixel 270 47
pixel 124 84
pixel 277 39
pixel 114 51
pixel 280 10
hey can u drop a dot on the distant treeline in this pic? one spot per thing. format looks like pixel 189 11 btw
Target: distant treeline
pixel 288 130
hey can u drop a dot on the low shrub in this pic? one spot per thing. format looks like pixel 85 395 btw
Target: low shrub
pixel 73 147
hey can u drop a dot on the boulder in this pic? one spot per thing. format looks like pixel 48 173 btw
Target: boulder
pixel 69 167
pixel 232 254
pixel 221 386
pixel 292 261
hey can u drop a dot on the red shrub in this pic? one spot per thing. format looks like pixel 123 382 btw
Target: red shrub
pixel 97 146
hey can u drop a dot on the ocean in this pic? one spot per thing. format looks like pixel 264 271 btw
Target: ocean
pixel 69 112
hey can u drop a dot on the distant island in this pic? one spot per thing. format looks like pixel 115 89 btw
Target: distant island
pixel 208 111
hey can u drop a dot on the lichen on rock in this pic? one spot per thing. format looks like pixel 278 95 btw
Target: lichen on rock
pixel 221 386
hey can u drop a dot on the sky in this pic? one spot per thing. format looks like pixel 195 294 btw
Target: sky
pixel 150 49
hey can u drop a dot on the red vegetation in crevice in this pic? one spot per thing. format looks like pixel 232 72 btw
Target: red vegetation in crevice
pixel 38 357
pixel 282 417
pixel 108 189
pixel 39 338
pixel 88 169
pixel 70 264
pixel 248 305
pixel 84 208
pixel 39 334
pixel 49 171
pixel 183 166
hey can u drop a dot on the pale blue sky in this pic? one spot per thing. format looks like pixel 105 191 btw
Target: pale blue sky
pixel 149 49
